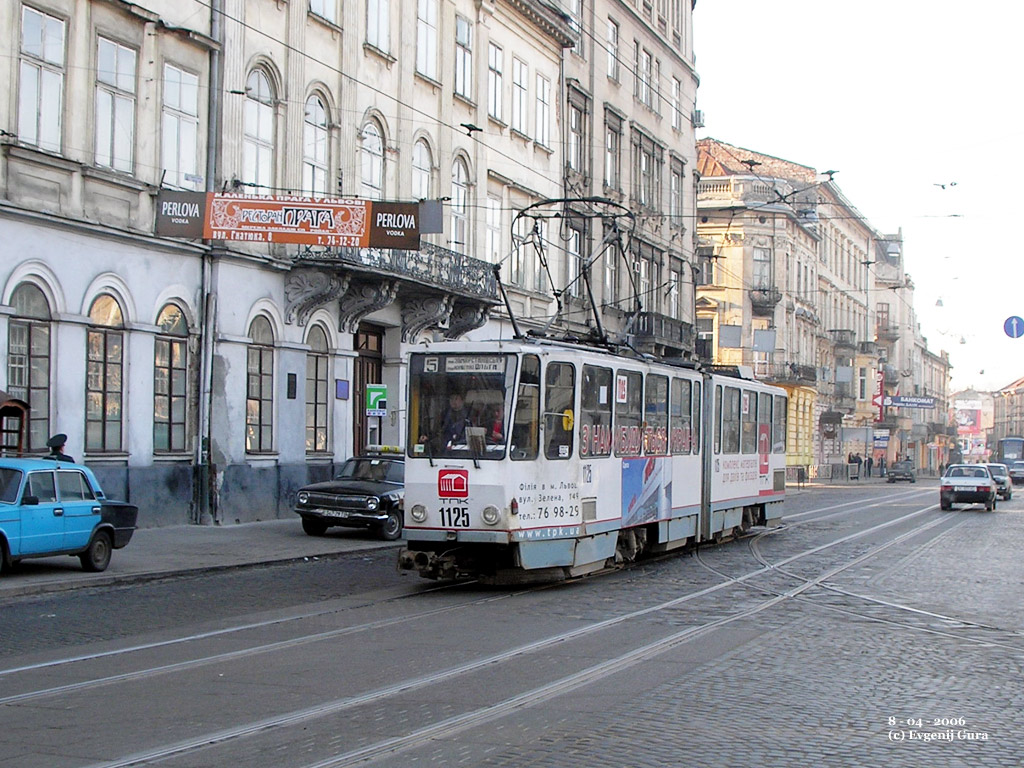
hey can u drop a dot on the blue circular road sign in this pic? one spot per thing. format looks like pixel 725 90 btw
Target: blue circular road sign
pixel 1014 327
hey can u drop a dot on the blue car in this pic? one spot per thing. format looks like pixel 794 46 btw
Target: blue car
pixel 57 508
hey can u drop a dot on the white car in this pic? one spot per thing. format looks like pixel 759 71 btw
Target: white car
pixel 967 484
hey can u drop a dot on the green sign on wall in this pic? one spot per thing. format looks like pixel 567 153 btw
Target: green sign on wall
pixel 376 399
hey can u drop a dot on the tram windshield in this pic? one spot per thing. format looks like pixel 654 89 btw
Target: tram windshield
pixel 459 405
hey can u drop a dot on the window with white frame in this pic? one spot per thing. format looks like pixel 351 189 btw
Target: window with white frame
pixel 422 170
pixel 426 38
pixel 115 105
pixel 170 381
pixel 314 147
pixel 463 57
pixel 518 257
pixel 677 111
pixel 378 24
pixel 575 8
pixel 612 150
pixel 612 46
pixel 492 248
pixel 675 281
pixel 104 380
pixel 520 85
pixel 28 360
pixel 762 269
pixel 259 390
pixel 180 128
pixel 41 80
pixel 643 63
pixel 656 88
pixel 675 193
pixel 574 151
pixel 460 206
pixel 574 260
pixel 325 9
pixel 258 134
pixel 543 132
pixel 495 83
pixel 317 400
pixel 648 159
pixel 372 156
pixel 611 276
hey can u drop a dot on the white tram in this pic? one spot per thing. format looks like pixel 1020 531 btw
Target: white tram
pixel 540 460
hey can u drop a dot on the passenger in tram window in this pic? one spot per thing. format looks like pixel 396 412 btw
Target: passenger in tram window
pixel 455 420
pixel 495 425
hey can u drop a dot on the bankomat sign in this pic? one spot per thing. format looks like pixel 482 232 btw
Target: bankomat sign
pixel 320 221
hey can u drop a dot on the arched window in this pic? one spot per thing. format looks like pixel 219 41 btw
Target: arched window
pixel 422 170
pixel 103 376
pixel 170 381
pixel 28 360
pixel 460 206
pixel 258 141
pixel 259 403
pixel 316 391
pixel 373 162
pixel 314 148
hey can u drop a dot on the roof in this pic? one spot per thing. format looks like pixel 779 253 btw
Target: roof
pixel 26 465
pixel 716 158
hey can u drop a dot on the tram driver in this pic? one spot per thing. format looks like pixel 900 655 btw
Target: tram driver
pixel 455 420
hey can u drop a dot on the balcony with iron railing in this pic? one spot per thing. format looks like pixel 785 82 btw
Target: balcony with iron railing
pixel 653 327
pixel 844 338
pixel 887 332
pixel 763 300
pixel 734 188
pixel 432 266
pixel 786 374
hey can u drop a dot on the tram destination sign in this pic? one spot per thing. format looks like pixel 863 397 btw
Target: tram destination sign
pixel 319 221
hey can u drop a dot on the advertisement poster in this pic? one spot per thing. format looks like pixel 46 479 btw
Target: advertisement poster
pixel 646 489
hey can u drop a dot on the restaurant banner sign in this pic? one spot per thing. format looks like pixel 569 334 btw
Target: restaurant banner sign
pixel 317 221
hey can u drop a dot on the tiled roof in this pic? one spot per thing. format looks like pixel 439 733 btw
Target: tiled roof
pixel 716 158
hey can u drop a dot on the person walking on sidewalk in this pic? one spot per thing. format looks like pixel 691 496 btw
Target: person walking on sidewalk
pixel 868 463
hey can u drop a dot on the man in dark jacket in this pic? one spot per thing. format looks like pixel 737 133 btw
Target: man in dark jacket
pixel 56 445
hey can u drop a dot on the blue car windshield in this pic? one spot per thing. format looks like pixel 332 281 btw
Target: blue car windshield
pixel 10 482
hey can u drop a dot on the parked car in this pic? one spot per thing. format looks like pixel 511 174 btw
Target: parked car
pixel 967 484
pixel 1017 473
pixel 902 470
pixel 1001 474
pixel 367 492
pixel 56 508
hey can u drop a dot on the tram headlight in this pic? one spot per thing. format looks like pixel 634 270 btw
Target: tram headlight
pixel 418 513
pixel 491 515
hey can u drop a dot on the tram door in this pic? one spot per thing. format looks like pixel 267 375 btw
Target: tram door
pixel 369 367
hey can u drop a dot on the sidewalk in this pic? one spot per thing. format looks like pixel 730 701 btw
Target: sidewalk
pixel 158 552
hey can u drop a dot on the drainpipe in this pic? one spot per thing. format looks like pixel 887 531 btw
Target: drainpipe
pixel 208 303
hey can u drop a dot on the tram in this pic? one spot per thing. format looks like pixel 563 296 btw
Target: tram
pixel 538 460
pixel 1009 450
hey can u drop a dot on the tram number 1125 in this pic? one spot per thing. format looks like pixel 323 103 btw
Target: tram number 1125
pixel 455 517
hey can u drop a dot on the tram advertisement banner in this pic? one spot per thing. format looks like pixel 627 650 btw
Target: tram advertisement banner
pixel 646 489
pixel 320 221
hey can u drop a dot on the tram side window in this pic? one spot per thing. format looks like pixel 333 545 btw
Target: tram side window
pixel 779 424
pixel 681 424
pixel 764 420
pixel 749 408
pixel 656 415
pixel 523 446
pixel 695 421
pixel 629 390
pixel 731 420
pixel 559 391
pixel 596 412
pixel 718 419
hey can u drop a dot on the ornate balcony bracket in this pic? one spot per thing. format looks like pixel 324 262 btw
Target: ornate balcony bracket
pixel 308 289
pixel 465 318
pixel 420 314
pixel 361 299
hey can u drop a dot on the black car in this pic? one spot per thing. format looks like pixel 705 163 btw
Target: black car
pixel 1017 473
pixel 902 470
pixel 367 492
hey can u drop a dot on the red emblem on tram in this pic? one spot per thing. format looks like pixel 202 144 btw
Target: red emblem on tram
pixel 453 483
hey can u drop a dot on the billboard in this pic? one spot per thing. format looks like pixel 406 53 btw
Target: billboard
pixel 318 221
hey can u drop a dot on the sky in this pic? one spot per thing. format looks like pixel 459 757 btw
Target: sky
pixel 900 97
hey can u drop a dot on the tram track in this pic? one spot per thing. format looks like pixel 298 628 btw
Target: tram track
pixel 466 720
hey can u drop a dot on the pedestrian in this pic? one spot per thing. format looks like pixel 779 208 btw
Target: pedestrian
pixel 857 461
pixel 56 445
pixel 868 463
pixel 881 466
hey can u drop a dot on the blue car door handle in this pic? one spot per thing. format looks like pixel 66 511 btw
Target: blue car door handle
pixel 58 511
